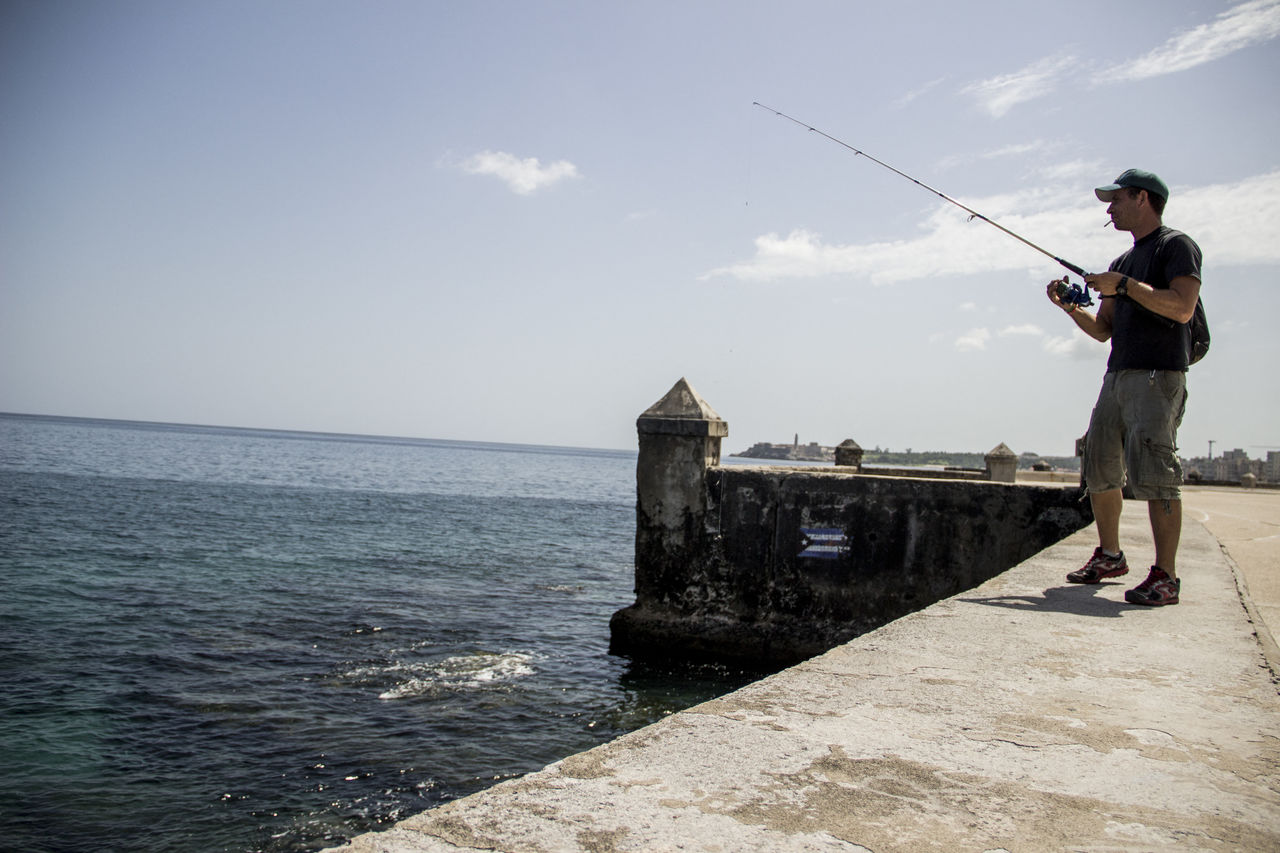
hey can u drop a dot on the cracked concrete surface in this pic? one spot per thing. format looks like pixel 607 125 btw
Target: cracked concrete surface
pixel 1025 714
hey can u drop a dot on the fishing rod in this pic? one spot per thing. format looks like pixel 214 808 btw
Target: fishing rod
pixel 1073 294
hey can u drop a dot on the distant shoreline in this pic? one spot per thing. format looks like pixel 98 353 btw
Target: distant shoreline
pixel 814 452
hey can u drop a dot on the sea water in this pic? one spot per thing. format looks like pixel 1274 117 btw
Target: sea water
pixel 230 639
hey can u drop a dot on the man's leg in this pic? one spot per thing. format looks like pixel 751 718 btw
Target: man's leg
pixel 1106 514
pixel 1162 585
pixel 1107 560
pixel 1154 405
pixel 1103 469
pixel 1166 529
pixel 1104 464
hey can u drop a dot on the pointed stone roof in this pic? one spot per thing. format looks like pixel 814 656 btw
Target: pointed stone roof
pixel 682 411
pixel 1001 450
pixel 682 402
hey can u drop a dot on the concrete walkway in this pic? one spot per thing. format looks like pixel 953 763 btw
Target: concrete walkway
pixel 1246 524
pixel 1024 715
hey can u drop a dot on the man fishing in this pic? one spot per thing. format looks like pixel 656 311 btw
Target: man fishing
pixel 1147 300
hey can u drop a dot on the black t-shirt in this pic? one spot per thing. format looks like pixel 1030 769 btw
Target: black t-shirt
pixel 1141 339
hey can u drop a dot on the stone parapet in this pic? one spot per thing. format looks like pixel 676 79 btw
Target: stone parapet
pixel 774 565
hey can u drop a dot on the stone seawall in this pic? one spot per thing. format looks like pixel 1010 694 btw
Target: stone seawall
pixel 774 565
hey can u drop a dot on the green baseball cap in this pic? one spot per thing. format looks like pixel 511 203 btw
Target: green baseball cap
pixel 1137 179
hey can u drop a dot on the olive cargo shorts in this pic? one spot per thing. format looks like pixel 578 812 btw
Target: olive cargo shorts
pixel 1134 430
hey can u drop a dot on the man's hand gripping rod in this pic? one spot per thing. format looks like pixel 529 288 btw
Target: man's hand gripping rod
pixel 1071 294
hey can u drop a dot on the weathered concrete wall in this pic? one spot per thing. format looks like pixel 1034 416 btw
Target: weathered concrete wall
pixel 774 565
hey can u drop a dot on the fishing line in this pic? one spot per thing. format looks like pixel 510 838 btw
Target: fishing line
pixel 1076 294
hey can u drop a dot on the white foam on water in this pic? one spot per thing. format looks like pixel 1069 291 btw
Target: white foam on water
pixel 460 672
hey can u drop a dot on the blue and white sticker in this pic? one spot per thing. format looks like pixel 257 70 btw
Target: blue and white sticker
pixel 823 543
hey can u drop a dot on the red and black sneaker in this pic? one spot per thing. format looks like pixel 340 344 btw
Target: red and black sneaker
pixel 1100 566
pixel 1156 591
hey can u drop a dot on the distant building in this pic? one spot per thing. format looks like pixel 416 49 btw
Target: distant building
pixel 1232 466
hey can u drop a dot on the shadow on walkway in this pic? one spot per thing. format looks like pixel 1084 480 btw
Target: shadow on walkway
pixel 1081 599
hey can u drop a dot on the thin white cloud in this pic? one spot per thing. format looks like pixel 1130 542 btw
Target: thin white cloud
pixel 1241 26
pixel 1072 171
pixel 1235 29
pixel 919 92
pixel 1014 150
pixel 1037 157
pixel 974 339
pixel 1232 222
pixel 522 176
pixel 998 95
pixel 1028 329
pixel 948 244
pixel 1038 146
pixel 1077 346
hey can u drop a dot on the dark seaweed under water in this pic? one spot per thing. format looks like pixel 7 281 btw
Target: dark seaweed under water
pixel 223 639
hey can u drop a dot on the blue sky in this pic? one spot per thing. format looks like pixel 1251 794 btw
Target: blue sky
pixel 524 221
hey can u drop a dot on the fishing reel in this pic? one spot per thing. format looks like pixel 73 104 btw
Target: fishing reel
pixel 1073 294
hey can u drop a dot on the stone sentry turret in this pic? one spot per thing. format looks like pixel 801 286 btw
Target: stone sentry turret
pixel 680 439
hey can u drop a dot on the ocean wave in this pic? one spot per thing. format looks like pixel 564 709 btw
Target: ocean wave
pixel 477 670
pixel 568 588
